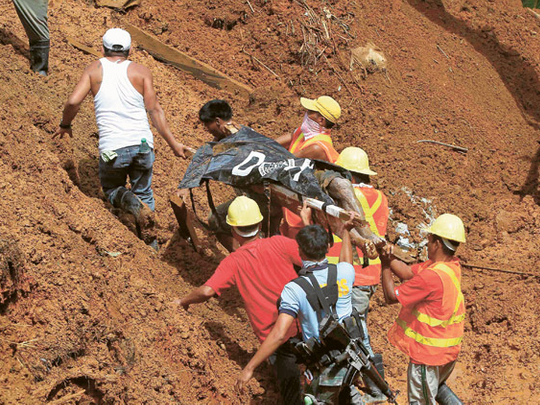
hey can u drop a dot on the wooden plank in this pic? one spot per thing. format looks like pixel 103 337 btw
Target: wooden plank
pixel 292 201
pixel 83 48
pixel 185 218
pixel 118 4
pixel 182 61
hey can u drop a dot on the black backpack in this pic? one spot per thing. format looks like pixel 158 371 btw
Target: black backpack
pixel 339 343
pixel 324 298
pixel 332 334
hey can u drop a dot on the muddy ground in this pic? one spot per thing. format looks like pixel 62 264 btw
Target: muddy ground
pixel 85 314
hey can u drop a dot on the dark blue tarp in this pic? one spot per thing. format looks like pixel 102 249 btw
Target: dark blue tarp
pixel 248 158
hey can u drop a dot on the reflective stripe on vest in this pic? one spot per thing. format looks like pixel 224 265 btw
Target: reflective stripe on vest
pixel 298 137
pixel 431 321
pixel 434 342
pixel 323 140
pixel 369 212
pixel 434 322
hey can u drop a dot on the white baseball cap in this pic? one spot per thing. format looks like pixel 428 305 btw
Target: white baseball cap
pixel 117 40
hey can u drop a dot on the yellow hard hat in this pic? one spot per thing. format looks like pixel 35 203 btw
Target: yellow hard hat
pixel 448 226
pixel 326 106
pixel 355 160
pixel 243 211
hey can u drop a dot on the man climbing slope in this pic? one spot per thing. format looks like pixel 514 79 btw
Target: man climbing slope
pixel 260 268
pixel 123 91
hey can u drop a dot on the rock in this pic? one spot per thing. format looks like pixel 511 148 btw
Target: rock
pixel 509 222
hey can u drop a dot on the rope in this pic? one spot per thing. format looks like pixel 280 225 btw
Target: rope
pixel 474 266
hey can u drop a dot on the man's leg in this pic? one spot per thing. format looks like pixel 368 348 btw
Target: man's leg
pixel 113 174
pixel 360 301
pixel 222 230
pixel 143 205
pixel 445 396
pixel 330 389
pixel 423 382
pixel 140 176
pixel 288 376
pixel 445 371
pixel 33 16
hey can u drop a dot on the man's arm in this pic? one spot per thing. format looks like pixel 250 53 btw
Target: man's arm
pixel 346 253
pixel 313 151
pixel 285 140
pixel 388 285
pixel 386 273
pixel 71 108
pixel 201 294
pixel 305 214
pixel 276 338
pixel 400 269
pixel 157 115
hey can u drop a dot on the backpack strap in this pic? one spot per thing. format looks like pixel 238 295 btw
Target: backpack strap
pixel 311 294
pixel 331 285
pixel 321 298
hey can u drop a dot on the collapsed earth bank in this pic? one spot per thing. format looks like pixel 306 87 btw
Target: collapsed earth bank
pixel 84 305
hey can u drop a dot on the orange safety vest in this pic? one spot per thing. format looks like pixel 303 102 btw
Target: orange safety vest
pixel 324 141
pixel 298 143
pixel 431 333
pixel 375 206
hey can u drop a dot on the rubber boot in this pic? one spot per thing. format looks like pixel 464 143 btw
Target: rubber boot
pixel 445 396
pixel 39 57
pixel 373 393
pixel 144 217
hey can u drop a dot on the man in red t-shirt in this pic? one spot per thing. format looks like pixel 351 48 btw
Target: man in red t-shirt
pixel 429 327
pixel 260 268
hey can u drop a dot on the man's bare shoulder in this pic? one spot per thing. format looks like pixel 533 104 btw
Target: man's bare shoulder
pixel 140 69
pixel 92 67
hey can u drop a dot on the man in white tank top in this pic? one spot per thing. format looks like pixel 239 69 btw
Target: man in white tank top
pixel 123 92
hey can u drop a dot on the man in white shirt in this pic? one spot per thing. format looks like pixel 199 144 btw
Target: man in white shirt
pixel 123 92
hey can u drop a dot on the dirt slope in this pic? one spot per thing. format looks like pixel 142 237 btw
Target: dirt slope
pixel 76 318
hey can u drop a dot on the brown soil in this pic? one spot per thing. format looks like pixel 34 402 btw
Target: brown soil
pixel 76 320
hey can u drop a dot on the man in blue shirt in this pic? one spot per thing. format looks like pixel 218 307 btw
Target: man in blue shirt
pixel 313 246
